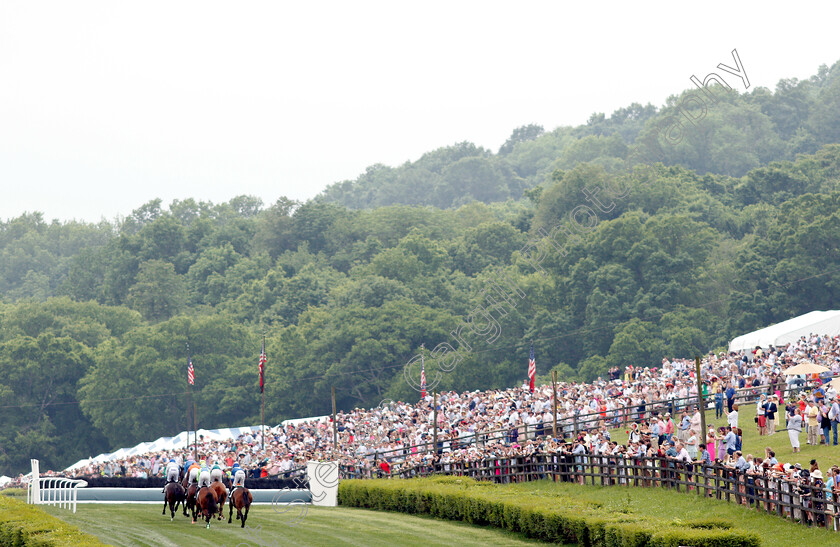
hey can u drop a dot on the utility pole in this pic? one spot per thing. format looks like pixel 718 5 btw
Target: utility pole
pixel 335 424
pixel 554 398
pixel 701 434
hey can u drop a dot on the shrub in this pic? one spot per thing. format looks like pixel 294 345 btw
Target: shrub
pixel 27 525
pixel 547 518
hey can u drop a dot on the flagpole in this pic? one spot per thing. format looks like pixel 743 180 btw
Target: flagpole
pixel 189 402
pixel 195 433
pixel 262 390
pixel 554 398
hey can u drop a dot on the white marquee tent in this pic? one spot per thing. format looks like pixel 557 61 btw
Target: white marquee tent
pixel 780 334
pixel 168 443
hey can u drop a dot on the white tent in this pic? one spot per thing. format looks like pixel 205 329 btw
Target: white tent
pixel 780 334
pixel 170 443
pixel 78 464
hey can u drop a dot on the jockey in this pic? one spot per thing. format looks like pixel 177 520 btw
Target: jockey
pixel 238 478
pixel 216 473
pixel 192 473
pixel 204 476
pixel 173 471
pixel 187 464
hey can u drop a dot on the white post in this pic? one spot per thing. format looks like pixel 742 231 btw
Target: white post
pixel 323 483
pixel 35 483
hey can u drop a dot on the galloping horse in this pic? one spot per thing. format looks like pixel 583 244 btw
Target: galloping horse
pixel 190 503
pixel 221 495
pixel 173 495
pixel 242 499
pixel 206 501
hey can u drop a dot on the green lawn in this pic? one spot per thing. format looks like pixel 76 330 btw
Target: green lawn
pixel 143 525
pixel 671 505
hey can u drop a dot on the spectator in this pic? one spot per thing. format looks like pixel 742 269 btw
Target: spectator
pixel 794 426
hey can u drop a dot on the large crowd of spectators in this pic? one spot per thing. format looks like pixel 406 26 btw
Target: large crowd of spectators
pixel 656 404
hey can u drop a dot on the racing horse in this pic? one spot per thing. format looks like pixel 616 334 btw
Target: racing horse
pixel 241 499
pixel 206 504
pixel 189 504
pixel 221 495
pixel 174 494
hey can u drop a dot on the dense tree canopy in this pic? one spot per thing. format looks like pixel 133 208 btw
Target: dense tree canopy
pixel 732 230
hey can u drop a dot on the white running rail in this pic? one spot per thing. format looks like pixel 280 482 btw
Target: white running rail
pixel 52 490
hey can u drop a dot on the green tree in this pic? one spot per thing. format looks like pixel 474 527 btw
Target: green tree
pixel 159 292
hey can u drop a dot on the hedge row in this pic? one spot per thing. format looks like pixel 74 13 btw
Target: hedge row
pixel 27 525
pixel 547 518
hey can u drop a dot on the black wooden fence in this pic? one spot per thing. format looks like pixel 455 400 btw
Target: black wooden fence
pixel 798 500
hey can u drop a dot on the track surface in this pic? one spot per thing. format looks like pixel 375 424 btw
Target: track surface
pixel 143 525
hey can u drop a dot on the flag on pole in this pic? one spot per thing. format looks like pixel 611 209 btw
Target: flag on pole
pixel 263 361
pixel 190 372
pixel 532 368
pixel 422 379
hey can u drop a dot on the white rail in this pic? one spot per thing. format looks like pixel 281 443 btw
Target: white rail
pixel 57 491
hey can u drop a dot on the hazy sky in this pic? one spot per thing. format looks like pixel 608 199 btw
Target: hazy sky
pixel 106 105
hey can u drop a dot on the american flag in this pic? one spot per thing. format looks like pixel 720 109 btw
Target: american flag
pixel 190 372
pixel 532 368
pixel 422 379
pixel 263 361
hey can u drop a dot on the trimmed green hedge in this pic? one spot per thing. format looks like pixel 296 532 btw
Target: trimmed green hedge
pixel 27 525
pixel 548 518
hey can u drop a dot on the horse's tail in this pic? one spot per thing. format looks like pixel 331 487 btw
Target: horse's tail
pixel 211 502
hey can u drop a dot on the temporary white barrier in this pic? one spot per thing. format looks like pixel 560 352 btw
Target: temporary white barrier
pixel 52 490
pixel 323 483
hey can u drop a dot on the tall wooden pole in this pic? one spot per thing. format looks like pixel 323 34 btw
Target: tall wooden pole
pixel 701 434
pixel 554 398
pixel 434 426
pixel 335 424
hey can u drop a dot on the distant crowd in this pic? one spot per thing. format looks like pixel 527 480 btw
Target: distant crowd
pixel 656 404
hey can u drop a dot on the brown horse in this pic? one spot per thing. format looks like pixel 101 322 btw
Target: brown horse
pixel 192 490
pixel 173 495
pixel 242 499
pixel 221 495
pixel 206 502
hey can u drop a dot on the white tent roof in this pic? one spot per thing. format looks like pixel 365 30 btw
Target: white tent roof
pixel 780 334
pixel 170 443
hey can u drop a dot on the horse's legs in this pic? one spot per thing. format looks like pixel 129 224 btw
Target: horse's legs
pixel 230 512
pixel 164 506
pixel 245 516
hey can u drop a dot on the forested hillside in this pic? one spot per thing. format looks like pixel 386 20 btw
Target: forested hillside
pixel 738 132
pixel 96 317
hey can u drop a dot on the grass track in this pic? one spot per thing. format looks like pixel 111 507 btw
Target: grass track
pixel 143 525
